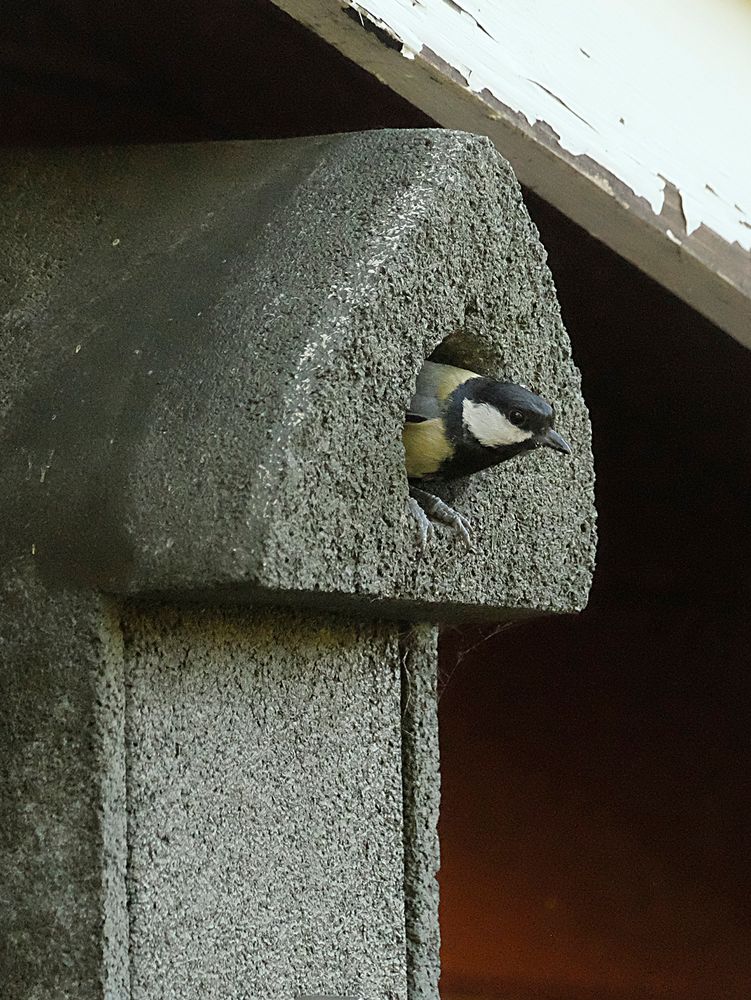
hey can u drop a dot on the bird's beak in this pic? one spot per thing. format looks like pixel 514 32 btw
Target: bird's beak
pixel 552 439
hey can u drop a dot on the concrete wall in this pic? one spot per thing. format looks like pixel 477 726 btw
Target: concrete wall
pixel 63 902
pixel 211 348
pixel 207 352
pixel 264 805
pixel 206 802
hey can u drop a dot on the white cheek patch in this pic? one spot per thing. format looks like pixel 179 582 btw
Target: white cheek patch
pixel 489 426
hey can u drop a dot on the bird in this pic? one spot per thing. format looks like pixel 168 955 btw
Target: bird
pixel 458 423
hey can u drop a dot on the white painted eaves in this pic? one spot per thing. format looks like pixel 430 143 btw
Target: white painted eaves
pixel 654 91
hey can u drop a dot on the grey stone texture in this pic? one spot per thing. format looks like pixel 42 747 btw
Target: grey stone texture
pixel 201 802
pixel 209 350
pixel 421 781
pixel 63 909
pixel 264 805
pixel 205 356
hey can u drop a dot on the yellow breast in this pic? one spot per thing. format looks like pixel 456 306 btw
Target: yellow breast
pixel 426 447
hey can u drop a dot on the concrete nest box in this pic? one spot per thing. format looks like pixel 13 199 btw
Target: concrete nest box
pixel 209 353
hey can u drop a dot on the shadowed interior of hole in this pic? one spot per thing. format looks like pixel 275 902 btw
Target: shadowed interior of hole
pixel 469 347
pixel 461 350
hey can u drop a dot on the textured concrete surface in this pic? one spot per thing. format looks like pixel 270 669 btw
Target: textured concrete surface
pixel 214 803
pixel 206 356
pixel 421 781
pixel 208 351
pixel 265 807
pixel 63 921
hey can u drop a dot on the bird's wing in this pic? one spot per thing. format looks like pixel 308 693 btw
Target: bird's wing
pixel 434 384
pixel 422 408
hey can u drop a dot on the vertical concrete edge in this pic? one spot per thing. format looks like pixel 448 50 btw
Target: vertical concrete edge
pixel 110 734
pixel 421 790
pixel 63 851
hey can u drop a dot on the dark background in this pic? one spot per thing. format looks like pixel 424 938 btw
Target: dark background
pixel 595 824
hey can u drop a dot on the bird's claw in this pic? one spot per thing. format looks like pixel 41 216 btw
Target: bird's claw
pixel 427 507
pixel 425 528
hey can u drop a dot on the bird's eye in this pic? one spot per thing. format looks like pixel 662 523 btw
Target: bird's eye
pixel 516 417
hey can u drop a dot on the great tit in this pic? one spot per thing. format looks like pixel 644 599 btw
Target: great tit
pixel 459 422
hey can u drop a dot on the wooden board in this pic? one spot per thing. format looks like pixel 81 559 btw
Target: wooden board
pixel 670 191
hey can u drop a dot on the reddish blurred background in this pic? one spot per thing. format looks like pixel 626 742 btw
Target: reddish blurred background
pixel 595 823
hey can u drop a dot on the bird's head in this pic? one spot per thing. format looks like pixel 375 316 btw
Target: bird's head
pixel 504 415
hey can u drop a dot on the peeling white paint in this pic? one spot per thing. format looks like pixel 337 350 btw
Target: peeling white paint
pixel 653 92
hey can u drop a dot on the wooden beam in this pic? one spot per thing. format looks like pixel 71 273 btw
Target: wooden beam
pixel 658 222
